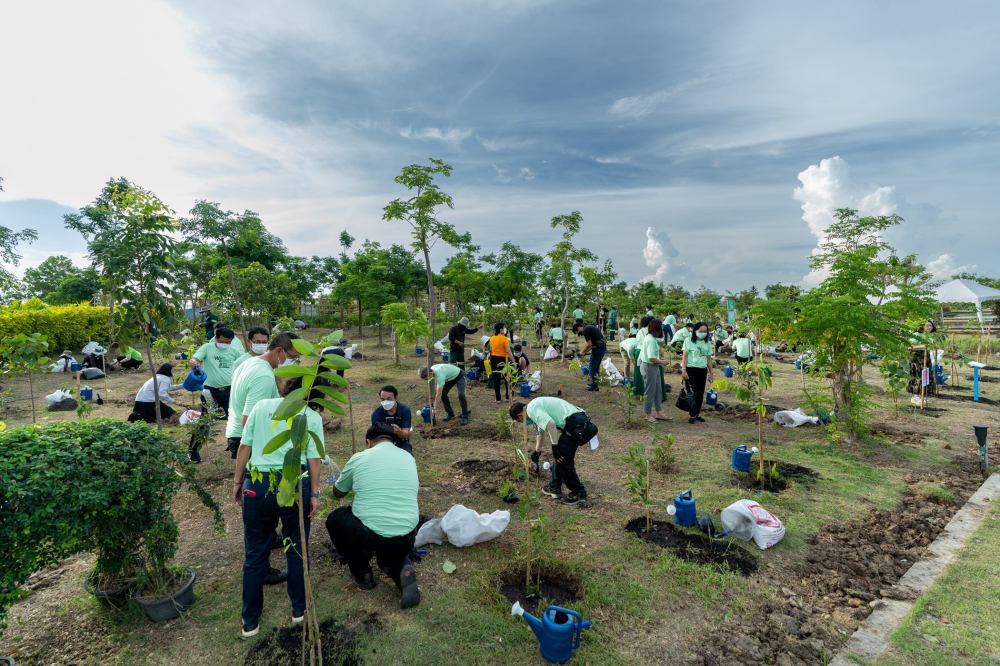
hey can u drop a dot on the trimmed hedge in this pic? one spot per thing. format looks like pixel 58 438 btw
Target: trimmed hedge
pixel 65 326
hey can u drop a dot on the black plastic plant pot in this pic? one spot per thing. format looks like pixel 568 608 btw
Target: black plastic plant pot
pixel 510 498
pixel 161 610
pixel 980 434
pixel 111 597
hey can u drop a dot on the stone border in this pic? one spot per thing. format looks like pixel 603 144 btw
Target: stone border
pixel 872 638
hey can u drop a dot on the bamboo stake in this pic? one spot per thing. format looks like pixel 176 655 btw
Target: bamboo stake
pixel 979 347
pixel 350 411
pixel 923 387
pixel 649 519
pixel 953 359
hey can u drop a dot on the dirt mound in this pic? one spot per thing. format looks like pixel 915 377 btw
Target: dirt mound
pixel 787 474
pixel 965 398
pixel 341 643
pixel 983 378
pixel 695 547
pixel 550 584
pixel 740 412
pixel 897 435
pixel 332 423
pixel 475 430
pixel 486 475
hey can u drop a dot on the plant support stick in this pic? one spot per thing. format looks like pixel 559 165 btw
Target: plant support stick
pixel 350 413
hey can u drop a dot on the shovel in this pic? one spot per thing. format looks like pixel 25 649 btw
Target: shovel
pixel 706 525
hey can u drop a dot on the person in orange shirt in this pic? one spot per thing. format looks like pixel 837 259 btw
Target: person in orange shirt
pixel 499 353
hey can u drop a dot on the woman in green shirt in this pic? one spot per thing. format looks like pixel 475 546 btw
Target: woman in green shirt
pixel 650 363
pixel 696 367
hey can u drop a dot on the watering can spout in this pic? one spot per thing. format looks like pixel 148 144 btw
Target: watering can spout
pixel 533 622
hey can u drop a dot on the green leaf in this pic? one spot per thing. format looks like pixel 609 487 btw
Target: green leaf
pixel 293 371
pixel 291 465
pixel 299 429
pixel 334 362
pixel 290 406
pixel 332 406
pixel 277 441
pixel 334 378
pixel 449 567
pixel 318 443
pixel 333 393
pixel 286 493
pixel 305 348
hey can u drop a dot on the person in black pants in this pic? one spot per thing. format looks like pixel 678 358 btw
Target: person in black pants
pixel 597 346
pixel 696 367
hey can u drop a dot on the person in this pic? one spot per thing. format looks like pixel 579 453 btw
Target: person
pixel 670 325
pixel 219 325
pixel 649 362
pixel 578 313
pixel 613 321
pixel 649 311
pixel 254 381
pixel 216 360
pixel 456 338
pixel 64 362
pixel 538 318
pixel 696 367
pixel 602 319
pixel 919 360
pixel 626 348
pixel 145 400
pixel 575 429
pixel 445 377
pixel 499 354
pixel 741 347
pixel 556 335
pixel 597 346
pixel 383 517
pixel 682 334
pixel 721 336
pixel 301 325
pixel 126 358
pixel 522 360
pixel 335 350
pixel 633 327
pixel 638 386
pixel 396 414
pixel 259 504
pixel 257 339
pixel 208 321
pixel 95 359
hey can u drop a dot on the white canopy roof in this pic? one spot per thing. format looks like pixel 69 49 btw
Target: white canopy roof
pixel 967 291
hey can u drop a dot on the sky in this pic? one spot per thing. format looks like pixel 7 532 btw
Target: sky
pixel 703 143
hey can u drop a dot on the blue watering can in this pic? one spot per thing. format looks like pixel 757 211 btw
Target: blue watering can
pixel 798 364
pixel 472 375
pixel 419 350
pixel 741 458
pixel 195 380
pixel 712 397
pixel 425 413
pixel 683 510
pixel 728 372
pixel 86 393
pixel 558 631
pixel 525 390
pixel 767 369
pixel 74 366
pixel 444 357
pixel 343 342
pixel 585 370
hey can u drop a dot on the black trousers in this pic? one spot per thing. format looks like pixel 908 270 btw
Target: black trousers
pixel 741 360
pixel 146 411
pixel 697 376
pixel 352 539
pixel 498 377
pixel 127 362
pixel 221 397
pixel 94 361
pixel 446 402
pixel 565 471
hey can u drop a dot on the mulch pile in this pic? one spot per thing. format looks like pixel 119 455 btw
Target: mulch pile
pixel 723 554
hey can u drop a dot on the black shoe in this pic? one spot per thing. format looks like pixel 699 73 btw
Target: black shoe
pixel 365 582
pixel 408 584
pixel 593 387
pixel 194 457
pixel 574 498
pixel 277 541
pixel 699 419
pixel 464 421
pixel 551 492
pixel 275 576
pixel 249 632
pixel 691 420
pixel 448 418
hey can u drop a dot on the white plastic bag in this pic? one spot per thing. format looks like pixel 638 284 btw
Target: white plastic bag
pixel 439 346
pixel 186 331
pixel 793 419
pixel 746 516
pixel 535 380
pixel 57 397
pixel 349 352
pixel 616 377
pixel 463 527
pixel 90 348
pixel 190 416
pixel 551 353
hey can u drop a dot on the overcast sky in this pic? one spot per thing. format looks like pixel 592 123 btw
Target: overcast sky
pixel 704 143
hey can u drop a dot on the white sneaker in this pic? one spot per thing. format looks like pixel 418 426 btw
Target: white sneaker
pixel 299 619
pixel 248 633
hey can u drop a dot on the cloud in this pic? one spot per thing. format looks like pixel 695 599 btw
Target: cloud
pixel 640 106
pixel 942 268
pixel 450 135
pixel 501 174
pixel 660 255
pixel 613 160
pixel 526 173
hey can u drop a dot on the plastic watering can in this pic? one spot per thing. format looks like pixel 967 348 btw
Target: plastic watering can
pixel 585 370
pixel 343 342
pixel 728 372
pixel 86 393
pixel 444 357
pixel 712 397
pixel 425 413
pixel 558 631
pixel 741 458
pixel 472 375
pixel 419 350
pixel 75 366
pixel 195 380
pixel 683 510
pixel 525 390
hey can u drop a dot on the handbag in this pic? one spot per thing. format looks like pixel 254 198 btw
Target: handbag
pixel 685 399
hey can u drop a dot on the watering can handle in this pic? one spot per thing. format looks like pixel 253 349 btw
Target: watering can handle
pixel 684 495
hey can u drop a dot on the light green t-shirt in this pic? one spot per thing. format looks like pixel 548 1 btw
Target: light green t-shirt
pixel 252 382
pixel 218 363
pixel 698 352
pixel 444 373
pixel 537 317
pixel 742 347
pixel 555 333
pixel 640 335
pixel 543 410
pixel 672 320
pixel 628 344
pixel 578 314
pixel 133 353
pixel 385 483
pixel 259 432
pixel 721 335
pixel 649 313
pixel 650 348
pixel 680 336
pixel 240 361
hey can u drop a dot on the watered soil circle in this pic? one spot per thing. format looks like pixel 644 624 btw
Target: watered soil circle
pixel 722 554
pixel 787 473
pixel 550 585
pixel 474 430
pixel 341 643
pixel 487 474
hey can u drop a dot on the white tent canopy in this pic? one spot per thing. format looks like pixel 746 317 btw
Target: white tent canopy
pixel 967 291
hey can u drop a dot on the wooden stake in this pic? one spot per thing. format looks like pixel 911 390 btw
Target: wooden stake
pixel 953 359
pixel 923 387
pixel 979 347
pixel 649 519
pixel 350 411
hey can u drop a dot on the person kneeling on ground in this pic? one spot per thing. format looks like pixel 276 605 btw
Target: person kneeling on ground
pixel 384 515
pixel 575 429
pixel 396 414
pixel 145 401
pixel 128 359
pixel 261 511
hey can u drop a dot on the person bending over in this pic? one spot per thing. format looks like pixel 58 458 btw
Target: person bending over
pixel 446 377
pixel 145 401
pixel 216 359
pixel 597 346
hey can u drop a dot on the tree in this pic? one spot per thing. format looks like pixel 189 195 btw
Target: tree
pixel 514 273
pixel 564 257
pixel 8 255
pixel 464 278
pixel 780 292
pixel 598 281
pixel 22 355
pixel 266 293
pixel 43 280
pixel 75 289
pixel 419 211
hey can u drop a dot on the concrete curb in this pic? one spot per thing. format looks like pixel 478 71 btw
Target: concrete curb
pixel 872 638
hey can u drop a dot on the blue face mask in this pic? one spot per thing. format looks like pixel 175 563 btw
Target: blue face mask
pixel 702 336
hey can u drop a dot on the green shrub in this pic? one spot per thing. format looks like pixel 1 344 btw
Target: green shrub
pixel 65 326
pixel 102 486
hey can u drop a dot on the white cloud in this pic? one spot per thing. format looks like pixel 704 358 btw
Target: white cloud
pixel 660 255
pixel 527 173
pixel 450 135
pixel 942 268
pixel 613 160
pixel 640 106
pixel 501 174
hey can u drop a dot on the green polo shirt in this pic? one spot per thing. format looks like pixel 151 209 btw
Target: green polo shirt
pixel 259 432
pixel 742 347
pixel 680 336
pixel 385 483
pixel 698 352
pixel 444 373
pixel 537 317
pixel 252 383
pixel 721 335
pixel 650 348
pixel 240 361
pixel 543 410
pixel 628 345
pixel 555 333
pixel 671 320
pixel 218 363
pixel 649 313
pixel 578 314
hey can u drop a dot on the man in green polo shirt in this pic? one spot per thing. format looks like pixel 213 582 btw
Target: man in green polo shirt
pixel 682 334
pixel 578 313
pixel 446 376
pixel 216 359
pixel 383 517
pixel 537 319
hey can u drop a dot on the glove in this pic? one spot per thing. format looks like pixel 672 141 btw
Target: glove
pixel 535 456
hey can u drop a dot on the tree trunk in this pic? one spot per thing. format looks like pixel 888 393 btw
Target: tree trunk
pixel 380 334
pixel 232 284
pixel 840 384
pixel 111 319
pixel 562 320
pixel 430 297
pixel 342 316
pixel 156 394
pixel 31 391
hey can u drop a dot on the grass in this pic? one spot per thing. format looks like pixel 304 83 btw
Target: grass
pixel 966 595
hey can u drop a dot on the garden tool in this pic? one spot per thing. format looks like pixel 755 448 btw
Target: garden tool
pixel 558 631
pixel 708 527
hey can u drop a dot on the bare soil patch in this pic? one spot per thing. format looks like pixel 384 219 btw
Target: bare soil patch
pixel 475 430
pixel 341 643
pixel 966 398
pixel 897 435
pixel 740 412
pixel 723 554
pixel 787 474
pixel 486 475
pixel 550 585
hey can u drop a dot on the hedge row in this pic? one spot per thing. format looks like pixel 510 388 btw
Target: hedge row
pixel 65 326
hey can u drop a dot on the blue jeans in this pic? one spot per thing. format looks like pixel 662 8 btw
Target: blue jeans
pixel 596 356
pixel 260 518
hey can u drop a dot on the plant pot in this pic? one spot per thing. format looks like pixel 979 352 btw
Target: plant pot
pixel 511 498
pixel 160 610
pixel 112 597
pixel 7 661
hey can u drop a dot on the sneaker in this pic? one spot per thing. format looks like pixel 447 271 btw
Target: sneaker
pixel 277 541
pixel 194 457
pixel 298 619
pixel 554 494
pixel 593 388
pixel 448 418
pixel 699 419
pixel 574 498
pixel 275 576
pixel 408 585
pixel 691 420
pixel 365 582
pixel 249 632
pixel 464 421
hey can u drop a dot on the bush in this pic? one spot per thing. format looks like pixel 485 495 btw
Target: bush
pixel 103 486
pixel 65 326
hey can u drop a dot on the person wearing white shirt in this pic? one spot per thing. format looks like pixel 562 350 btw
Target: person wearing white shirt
pixel 145 399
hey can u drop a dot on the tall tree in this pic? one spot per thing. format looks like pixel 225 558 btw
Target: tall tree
pixel 564 258
pixel 781 292
pixel 515 273
pixel 43 280
pixel 598 281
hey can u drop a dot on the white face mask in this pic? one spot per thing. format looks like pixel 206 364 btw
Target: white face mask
pixel 222 345
pixel 289 361
pixel 258 348
pixel 388 404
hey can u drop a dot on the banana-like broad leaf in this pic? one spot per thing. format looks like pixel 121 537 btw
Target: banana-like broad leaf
pixel 304 348
pixel 318 443
pixel 334 362
pixel 290 406
pixel 333 393
pixel 277 441
pixel 293 371
pixel 299 429
pixel 334 378
pixel 292 464
pixel 332 406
